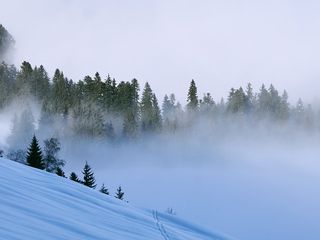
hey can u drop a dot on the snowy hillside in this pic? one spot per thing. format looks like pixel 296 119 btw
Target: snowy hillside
pixel 38 205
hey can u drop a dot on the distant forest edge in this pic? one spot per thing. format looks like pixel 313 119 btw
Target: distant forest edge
pixel 104 108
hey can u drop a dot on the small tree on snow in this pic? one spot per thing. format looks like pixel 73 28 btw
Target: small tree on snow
pixel 104 190
pixel 88 176
pixel 60 172
pixel 171 211
pixel 119 193
pixel 34 155
pixel 74 177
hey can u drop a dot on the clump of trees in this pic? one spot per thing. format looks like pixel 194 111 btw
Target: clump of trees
pixel 50 161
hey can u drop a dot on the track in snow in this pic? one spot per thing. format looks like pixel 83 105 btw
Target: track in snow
pixel 160 226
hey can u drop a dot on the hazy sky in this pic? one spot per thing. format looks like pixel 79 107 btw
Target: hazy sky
pixel 221 44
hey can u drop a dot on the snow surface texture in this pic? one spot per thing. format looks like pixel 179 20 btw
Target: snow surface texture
pixel 35 204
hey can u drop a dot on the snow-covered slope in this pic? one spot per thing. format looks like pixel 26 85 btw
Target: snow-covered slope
pixel 39 205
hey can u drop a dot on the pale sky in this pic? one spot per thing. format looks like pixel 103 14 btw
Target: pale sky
pixel 220 44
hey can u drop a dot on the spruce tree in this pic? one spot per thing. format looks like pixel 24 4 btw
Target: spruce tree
pixel 104 190
pixel 24 79
pixel 147 111
pixel 88 177
pixel 119 193
pixel 74 177
pixel 34 155
pixel 60 172
pixel 192 96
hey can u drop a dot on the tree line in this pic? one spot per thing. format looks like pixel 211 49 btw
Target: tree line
pixel 104 108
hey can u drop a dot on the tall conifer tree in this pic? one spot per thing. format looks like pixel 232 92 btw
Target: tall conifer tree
pixel 34 155
pixel 88 176
pixel 192 96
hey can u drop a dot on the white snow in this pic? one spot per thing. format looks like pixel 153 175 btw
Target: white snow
pixel 35 205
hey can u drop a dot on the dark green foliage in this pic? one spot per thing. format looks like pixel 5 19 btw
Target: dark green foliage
pixel 150 112
pixel 60 172
pixel 62 95
pixel 104 190
pixel 88 177
pixel 74 177
pixel 40 83
pixel 119 193
pixel 192 96
pixel 34 155
pixel 237 101
pixel 24 79
pixel 146 107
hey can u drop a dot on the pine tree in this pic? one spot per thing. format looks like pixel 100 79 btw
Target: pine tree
pixel 237 101
pixel 40 83
pixel 74 177
pixel 150 111
pixel 263 100
pixel 61 97
pixel 147 108
pixel 88 176
pixel 192 96
pixel 104 190
pixel 24 79
pixel 34 155
pixel 60 172
pixel 119 193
